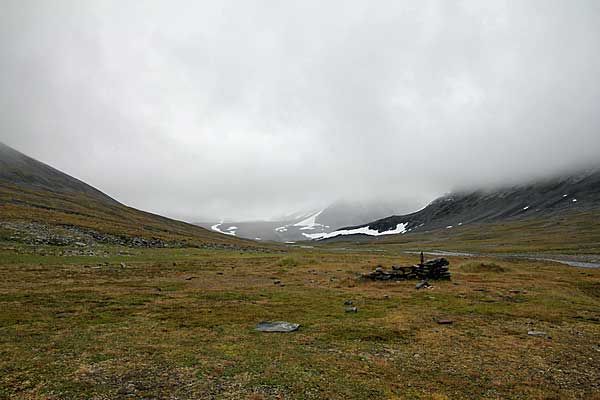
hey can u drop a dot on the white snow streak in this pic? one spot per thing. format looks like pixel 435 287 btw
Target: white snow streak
pixel 228 232
pixel 365 230
pixel 310 222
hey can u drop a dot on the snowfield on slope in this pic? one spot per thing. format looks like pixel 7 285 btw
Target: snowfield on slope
pixel 365 230
pixel 230 231
pixel 309 223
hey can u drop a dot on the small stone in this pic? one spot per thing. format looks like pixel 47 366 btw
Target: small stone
pixel 386 296
pixel 422 285
pixel 379 269
pixel 189 278
pixel 276 282
pixel 351 310
pixel 445 322
pixel 348 302
pixel 277 326
pixel 538 334
pixel 219 273
pixel 123 265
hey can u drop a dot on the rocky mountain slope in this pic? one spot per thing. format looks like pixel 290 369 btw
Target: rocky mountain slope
pixel 576 194
pixel 41 205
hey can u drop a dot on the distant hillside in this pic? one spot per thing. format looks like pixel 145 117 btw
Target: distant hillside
pixel 574 194
pixel 39 204
pixel 302 226
pixel 22 171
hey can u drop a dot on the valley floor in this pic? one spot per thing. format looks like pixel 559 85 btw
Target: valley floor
pixel 179 324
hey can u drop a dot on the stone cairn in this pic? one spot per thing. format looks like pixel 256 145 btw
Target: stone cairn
pixel 436 269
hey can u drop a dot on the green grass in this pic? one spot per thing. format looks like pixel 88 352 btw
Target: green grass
pixel 481 267
pixel 104 331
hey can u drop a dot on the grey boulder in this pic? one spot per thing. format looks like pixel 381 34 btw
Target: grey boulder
pixel 277 326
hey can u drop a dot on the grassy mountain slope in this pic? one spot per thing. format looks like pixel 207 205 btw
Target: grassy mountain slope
pixel 45 205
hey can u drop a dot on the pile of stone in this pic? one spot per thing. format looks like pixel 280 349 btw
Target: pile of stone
pixel 436 269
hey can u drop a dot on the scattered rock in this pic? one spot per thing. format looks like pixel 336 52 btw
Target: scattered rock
pixel 158 289
pixel 445 322
pixel 276 281
pixel 517 291
pixel 422 285
pixel 219 273
pixel 538 334
pixel 351 310
pixel 123 265
pixel 189 278
pixel 348 302
pixel 386 296
pixel 277 326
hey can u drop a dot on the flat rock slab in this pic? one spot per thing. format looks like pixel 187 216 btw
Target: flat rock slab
pixel 538 334
pixel 277 326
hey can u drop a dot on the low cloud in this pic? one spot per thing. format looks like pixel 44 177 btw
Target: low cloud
pixel 252 109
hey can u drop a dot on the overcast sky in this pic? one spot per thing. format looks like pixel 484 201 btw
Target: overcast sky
pixel 246 109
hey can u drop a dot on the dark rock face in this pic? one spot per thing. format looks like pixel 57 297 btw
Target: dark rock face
pixel 573 193
pixel 436 269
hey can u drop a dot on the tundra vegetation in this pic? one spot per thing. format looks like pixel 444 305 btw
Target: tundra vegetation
pixel 123 322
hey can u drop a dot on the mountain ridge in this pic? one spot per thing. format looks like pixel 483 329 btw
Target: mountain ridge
pixel 578 192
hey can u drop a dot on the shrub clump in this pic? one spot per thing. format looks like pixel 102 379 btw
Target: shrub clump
pixel 288 262
pixel 480 267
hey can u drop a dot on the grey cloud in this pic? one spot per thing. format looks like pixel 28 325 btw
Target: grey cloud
pixel 250 109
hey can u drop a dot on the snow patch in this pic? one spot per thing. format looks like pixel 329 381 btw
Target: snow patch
pixel 449 227
pixel 574 200
pixel 215 228
pixel 310 222
pixel 365 230
pixel 526 208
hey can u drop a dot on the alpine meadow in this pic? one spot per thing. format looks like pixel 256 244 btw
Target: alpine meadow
pixel 299 200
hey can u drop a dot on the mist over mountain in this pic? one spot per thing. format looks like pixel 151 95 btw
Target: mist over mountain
pixel 566 195
pixel 299 226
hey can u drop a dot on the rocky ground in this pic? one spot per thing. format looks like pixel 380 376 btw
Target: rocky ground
pixel 83 241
